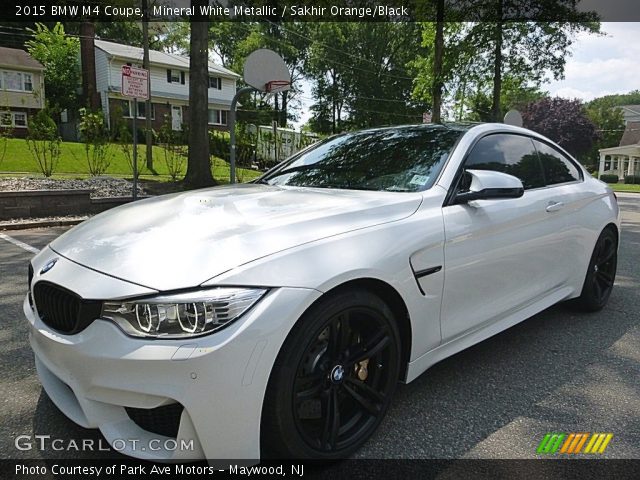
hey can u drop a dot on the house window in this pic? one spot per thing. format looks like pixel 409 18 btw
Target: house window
pixel 6 120
pixel 20 119
pixel 217 117
pixel 28 82
pixel 175 76
pixel 18 81
pixel 127 109
pixel 12 80
pixel 215 82
pixel 13 119
pixel 142 110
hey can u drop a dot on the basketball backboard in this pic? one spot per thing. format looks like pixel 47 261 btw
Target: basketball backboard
pixel 266 71
pixel 513 117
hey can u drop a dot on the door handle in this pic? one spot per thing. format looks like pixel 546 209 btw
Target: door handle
pixel 555 206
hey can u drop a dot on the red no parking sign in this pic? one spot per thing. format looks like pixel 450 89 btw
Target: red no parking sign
pixel 135 82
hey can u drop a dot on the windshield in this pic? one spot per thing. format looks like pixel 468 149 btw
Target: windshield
pixel 400 159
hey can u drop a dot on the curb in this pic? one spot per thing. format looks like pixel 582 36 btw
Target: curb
pixel 41 224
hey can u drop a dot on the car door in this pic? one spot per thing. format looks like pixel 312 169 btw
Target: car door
pixel 502 254
pixel 564 183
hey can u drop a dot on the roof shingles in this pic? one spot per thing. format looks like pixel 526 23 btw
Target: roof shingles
pixel 157 57
pixel 631 135
pixel 13 57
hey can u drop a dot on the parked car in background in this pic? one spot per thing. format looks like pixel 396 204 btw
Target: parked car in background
pixel 279 316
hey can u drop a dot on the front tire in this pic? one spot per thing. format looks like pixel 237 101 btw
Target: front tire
pixel 601 274
pixel 333 380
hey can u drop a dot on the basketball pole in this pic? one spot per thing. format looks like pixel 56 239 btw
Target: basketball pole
pixel 232 131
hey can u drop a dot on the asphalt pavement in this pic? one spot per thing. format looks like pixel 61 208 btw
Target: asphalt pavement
pixel 559 371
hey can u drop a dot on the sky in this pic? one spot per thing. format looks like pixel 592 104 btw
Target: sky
pixel 602 65
pixel 599 65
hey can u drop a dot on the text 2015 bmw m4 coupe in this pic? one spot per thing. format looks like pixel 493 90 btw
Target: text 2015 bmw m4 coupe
pixel 278 317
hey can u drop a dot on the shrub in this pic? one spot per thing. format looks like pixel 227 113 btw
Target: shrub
pixel 44 142
pixel 632 179
pixel 609 178
pixel 219 145
pixel 173 152
pixel 95 136
pixel 5 133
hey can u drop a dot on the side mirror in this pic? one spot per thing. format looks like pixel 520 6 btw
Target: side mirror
pixel 488 185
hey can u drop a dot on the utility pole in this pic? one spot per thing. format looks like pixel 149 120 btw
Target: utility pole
pixel 437 63
pixel 145 65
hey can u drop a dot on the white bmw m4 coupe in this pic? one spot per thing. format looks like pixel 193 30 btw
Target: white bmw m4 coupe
pixel 278 317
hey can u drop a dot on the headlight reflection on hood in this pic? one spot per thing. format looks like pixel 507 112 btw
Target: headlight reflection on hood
pixel 184 314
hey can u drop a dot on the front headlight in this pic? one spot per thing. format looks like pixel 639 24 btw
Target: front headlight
pixel 184 314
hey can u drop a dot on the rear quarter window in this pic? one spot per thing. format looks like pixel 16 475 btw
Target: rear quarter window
pixel 556 166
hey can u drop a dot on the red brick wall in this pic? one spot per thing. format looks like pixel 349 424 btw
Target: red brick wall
pixel 161 109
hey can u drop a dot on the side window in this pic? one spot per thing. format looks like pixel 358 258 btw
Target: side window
pixel 557 168
pixel 512 154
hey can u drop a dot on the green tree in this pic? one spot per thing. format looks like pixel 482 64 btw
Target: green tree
pixel 607 116
pixel 43 142
pixel 453 75
pixel 515 94
pixel 525 50
pixel 330 87
pixel 60 55
pixel 224 39
pixel 479 57
pixel 170 142
pixel 361 74
pixel 95 136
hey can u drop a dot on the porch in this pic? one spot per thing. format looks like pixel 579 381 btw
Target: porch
pixel 620 161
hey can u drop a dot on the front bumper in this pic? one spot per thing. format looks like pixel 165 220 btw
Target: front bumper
pixel 97 376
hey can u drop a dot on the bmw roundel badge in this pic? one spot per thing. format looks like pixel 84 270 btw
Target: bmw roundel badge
pixel 48 266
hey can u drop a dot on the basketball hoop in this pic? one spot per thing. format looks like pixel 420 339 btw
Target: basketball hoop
pixel 261 67
pixel 275 86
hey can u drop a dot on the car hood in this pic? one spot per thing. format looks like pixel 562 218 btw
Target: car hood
pixel 182 240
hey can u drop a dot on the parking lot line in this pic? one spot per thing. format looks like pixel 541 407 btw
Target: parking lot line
pixel 20 244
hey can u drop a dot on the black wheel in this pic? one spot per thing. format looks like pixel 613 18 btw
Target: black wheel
pixel 333 379
pixel 601 273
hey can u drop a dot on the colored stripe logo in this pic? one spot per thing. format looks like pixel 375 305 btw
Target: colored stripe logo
pixel 573 443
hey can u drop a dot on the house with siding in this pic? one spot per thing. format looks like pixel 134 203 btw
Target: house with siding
pixel 169 82
pixel 21 89
pixel 625 158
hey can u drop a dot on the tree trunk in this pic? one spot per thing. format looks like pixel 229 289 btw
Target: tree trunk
pixel 198 167
pixel 437 63
pixel 497 68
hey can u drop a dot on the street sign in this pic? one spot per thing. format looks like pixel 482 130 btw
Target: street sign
pixel 135 82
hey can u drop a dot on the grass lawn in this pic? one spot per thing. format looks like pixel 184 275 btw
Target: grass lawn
pixel 73 163
pixel 622 187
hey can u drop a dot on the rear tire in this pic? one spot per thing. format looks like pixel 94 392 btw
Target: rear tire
pixel 333 379
pixel 601 274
